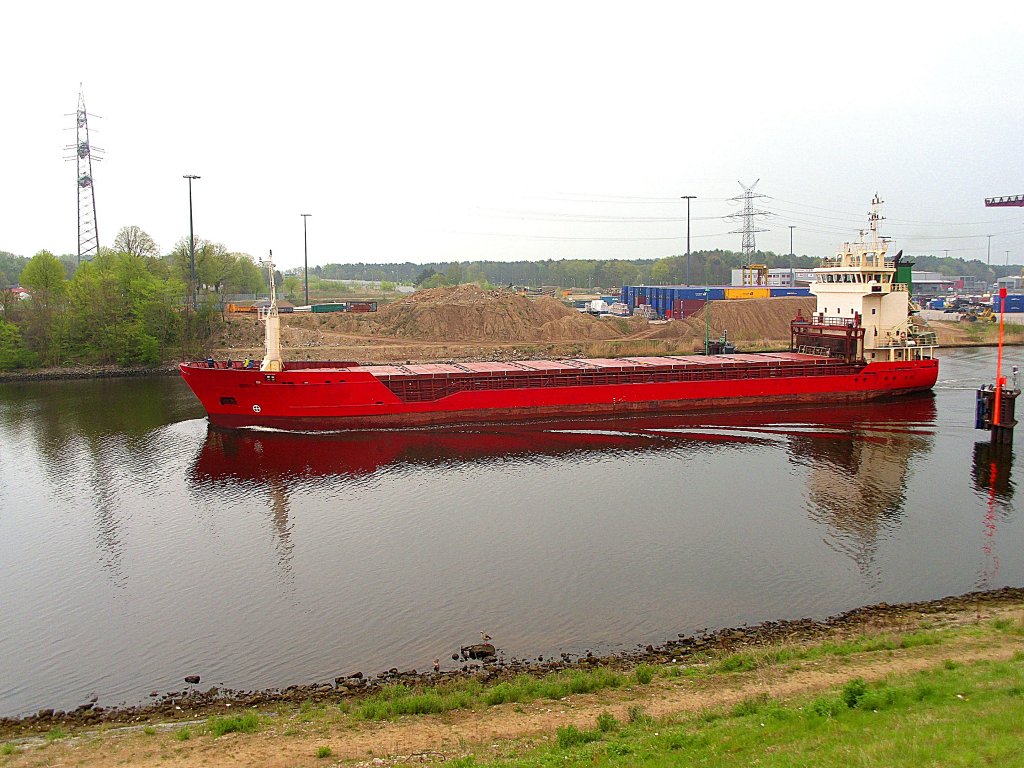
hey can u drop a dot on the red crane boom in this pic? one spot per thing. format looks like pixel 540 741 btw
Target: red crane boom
pixel 1005 201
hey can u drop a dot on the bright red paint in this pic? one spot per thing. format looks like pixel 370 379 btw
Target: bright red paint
pixel 329 396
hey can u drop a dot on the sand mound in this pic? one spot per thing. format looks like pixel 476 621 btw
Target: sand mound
pixel 469 313
pixel 747 320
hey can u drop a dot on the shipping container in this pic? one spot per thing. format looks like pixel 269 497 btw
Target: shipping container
pixel 691 306
pixel 1014 303
pixel 319 308
pixel 777 291
pixel 747 293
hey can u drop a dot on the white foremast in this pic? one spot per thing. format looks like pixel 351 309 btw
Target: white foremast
pixel 860 282
pixel 272 359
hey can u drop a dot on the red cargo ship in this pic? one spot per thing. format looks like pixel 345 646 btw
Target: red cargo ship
pixel 859 345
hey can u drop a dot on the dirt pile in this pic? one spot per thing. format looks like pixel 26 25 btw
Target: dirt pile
pixel 470 323
pixel 748 321
pixel 468 313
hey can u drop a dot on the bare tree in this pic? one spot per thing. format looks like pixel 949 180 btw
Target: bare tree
pixel 135 241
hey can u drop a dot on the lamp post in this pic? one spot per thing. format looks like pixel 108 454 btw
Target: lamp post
pixel 687 198
pixel 792 277
pixel 305 254
pixel 988 259
pixel 191 243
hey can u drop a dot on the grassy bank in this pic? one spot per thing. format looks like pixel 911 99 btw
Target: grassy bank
pixel 951 714
pixel 909 688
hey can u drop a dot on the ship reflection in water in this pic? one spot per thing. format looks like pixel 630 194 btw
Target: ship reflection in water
pixel 855 458
pixel 991 475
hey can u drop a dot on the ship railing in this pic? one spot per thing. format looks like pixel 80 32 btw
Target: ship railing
pixel 809 350
pixel 426 388
pixel 857 261
pixel 835 322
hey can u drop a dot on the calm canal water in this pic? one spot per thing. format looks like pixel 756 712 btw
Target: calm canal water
pixel 139 547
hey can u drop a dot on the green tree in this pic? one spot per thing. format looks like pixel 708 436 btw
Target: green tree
pixel 13 352
pixel 120 312
pixel 292 287
pixel 453 274
pixel 10 268
pixel 436 280
pixel 44 273
pixel 44 277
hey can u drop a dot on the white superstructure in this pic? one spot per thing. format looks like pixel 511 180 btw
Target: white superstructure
pixel 859 284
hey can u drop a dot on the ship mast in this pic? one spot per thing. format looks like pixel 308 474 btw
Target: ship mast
pixel 873 218
pixel 272 321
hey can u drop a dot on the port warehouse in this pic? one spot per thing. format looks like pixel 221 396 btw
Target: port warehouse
pixel 678 301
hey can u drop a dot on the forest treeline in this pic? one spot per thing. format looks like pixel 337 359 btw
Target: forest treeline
pixel 713 267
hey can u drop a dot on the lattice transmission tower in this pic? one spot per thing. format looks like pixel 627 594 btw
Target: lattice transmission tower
pixel 83 155
pixel 748 229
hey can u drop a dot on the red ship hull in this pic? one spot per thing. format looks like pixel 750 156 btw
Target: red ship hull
pixel 335 396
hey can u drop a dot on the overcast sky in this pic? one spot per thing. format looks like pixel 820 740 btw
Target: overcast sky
pixel 422 131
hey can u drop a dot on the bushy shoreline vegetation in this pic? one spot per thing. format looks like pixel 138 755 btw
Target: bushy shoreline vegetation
pixel 127 306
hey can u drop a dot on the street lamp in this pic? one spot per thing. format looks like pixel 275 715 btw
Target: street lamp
pixel 191 242
pixel 305 253
pixel 792 276
pixel 687 198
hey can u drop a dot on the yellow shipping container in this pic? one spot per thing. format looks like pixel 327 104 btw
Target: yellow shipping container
pixel 748 293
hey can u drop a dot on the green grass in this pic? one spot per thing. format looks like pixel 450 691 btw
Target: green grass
pixel 961 716
pixel 771 656
pixel 397 700
pixel 55 734
pixel 149 730
pixel 250 722
pixel 323 752
pixel 183 734
pixel 643 673
pixel 8 749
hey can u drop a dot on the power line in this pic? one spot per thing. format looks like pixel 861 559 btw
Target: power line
pixel 582 239
pixel 748 229
pixel 511 213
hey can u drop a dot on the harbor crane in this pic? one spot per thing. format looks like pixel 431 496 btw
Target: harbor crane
pixel 995 404
pixel 1006 201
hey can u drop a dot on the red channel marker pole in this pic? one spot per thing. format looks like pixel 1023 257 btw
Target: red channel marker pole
pixel 999 360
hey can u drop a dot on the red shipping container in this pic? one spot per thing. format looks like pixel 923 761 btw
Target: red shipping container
pixel 691 306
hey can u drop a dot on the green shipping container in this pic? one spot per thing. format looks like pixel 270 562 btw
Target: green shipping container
pixel 329 307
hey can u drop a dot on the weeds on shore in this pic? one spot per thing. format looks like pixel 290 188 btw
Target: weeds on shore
pixel 761 657
pixel 250 722
pixel 397 700
pixel 964 715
